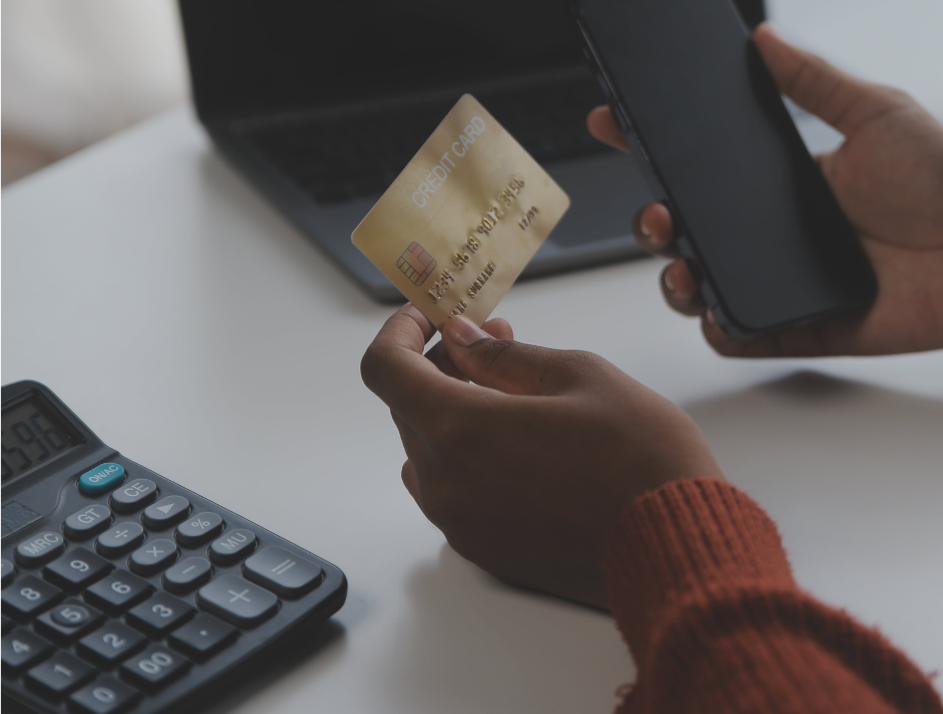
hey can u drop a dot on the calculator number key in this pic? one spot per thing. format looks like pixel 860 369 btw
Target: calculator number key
pixel 87 522
pixel 121 539
pixel 70 619
pixel 29 596
pixel 76 569
pixel 118 591
pixel 21 649
pixel 110 644
pixel 199 529
pixel 134 495
pixel 282 571
pixel 237 600
pixel 187 574
pixel 153 556
pixel 105 695
pixel 155 667
pixel 40 549
pixel 159 615
pixel 233 546
pixel 59 675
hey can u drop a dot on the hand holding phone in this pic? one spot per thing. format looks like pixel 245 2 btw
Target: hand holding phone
pixel 887 177
pixel 756 222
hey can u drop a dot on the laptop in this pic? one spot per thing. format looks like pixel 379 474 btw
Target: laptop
pixel 321 105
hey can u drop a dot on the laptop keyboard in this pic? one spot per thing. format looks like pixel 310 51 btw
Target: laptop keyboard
pixel 339 159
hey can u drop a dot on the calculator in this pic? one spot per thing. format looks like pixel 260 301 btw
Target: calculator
pixel 124 591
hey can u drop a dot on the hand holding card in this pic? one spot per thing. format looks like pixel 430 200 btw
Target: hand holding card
pixel 463 219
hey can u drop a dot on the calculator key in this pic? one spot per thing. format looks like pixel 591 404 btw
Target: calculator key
pixel 237 601
pixel 155 667
pixel 281 571
pixel 203 636
pixel 40 548
pixel 133 495
pixel 29 596
pixel 87 522
pixel 153 556
pixel 166 512
pixel 101 478
pixel 187 574
pixel 159 615
pixel 234 545
pixel 67 621
pixel 118 591
pixel 199 529
pixel 110 644
pixel 21 649
pixel 76 569
pixel 7 624
pixel 106 695
pixel 120 539
pixel 59 675
pixel 9 572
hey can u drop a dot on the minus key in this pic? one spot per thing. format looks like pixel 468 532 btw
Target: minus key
pixel 187 574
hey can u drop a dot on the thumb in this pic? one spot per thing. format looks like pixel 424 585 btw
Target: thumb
pixel 508 366
pixel 839 99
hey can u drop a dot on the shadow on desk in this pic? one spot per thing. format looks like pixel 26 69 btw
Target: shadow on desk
pixel 851 474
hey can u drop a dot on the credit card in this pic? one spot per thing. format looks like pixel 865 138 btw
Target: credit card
pixel 463 219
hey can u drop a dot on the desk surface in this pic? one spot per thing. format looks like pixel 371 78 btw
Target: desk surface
pixel 193 329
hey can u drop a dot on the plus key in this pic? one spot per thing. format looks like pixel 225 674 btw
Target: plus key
pixel 237 601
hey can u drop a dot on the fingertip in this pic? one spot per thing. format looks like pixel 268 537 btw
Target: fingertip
pixel 603 126
pixel 463 332
pixel 411 311
pixel 678 279
pixel 655 224
pixel 499 328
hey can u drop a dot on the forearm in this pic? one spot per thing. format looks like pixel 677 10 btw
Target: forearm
pixel 701 589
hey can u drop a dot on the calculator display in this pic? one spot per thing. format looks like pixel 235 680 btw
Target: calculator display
pixel 33 433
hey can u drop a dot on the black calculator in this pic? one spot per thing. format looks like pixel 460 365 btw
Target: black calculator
pixel 125 592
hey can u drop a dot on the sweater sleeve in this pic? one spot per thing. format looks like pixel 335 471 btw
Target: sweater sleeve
pixel 702 592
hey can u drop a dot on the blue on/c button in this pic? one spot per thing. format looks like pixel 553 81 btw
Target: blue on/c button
pixel 101 478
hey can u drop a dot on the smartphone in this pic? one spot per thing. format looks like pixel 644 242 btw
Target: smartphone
pixel 755 219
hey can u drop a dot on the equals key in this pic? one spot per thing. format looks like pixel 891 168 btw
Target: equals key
pixel 282 571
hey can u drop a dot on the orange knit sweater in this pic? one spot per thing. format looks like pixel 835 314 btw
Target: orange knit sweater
pixel 702 592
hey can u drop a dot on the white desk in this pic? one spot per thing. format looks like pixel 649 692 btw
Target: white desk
pixel 193 329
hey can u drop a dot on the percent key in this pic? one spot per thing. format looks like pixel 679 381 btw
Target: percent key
pixel 199 529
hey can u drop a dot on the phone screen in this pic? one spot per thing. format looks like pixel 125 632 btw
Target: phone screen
pixel 763 229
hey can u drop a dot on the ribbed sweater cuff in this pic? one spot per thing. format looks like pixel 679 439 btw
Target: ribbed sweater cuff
pixel 681 539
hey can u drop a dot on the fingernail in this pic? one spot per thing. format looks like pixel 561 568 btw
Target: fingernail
pixel 649 235
pixel 710 319
pixel 464 332
pixel 668 284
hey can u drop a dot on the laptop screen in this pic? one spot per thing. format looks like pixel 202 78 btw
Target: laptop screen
pixel 252 55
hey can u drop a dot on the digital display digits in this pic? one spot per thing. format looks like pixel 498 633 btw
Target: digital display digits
pixel 33 433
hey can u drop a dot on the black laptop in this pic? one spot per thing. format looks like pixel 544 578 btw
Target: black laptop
pixel 322 104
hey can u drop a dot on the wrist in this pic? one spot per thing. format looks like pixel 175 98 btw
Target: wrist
pixel 684 537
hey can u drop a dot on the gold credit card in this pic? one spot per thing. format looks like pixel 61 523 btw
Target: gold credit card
pixel 464 217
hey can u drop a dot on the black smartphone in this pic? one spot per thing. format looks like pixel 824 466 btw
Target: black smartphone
pixel 756 221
